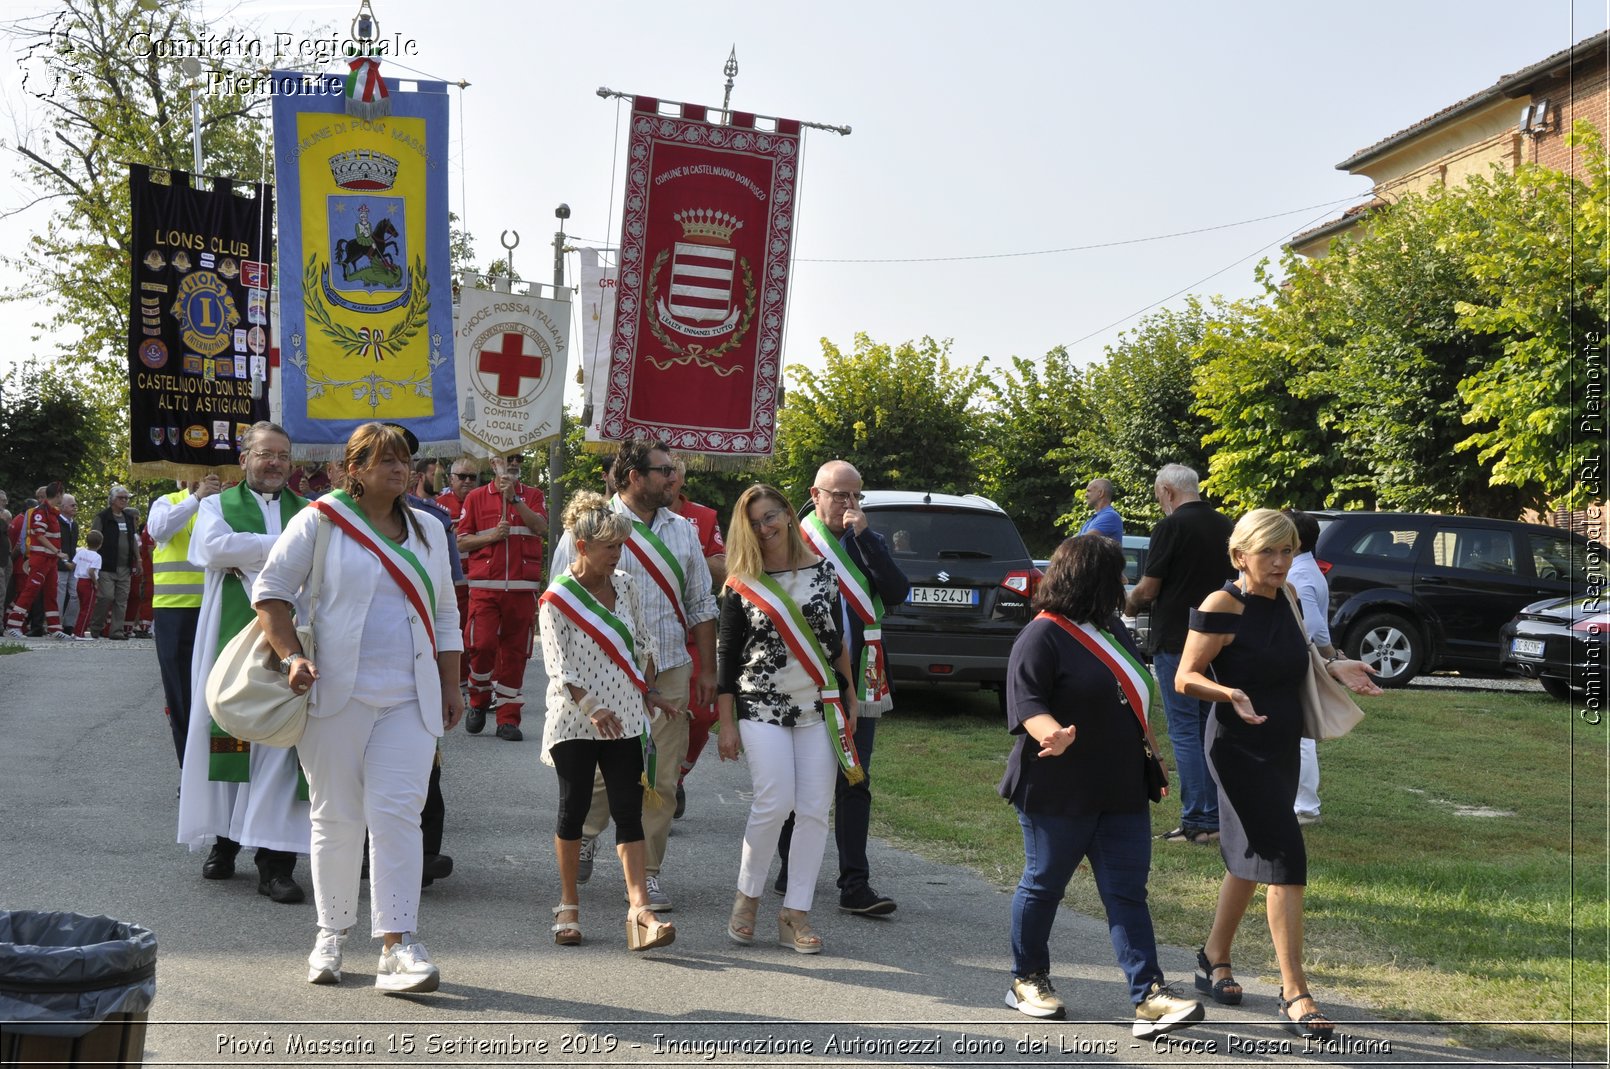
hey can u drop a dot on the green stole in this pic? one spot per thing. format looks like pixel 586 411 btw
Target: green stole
pixel 230 758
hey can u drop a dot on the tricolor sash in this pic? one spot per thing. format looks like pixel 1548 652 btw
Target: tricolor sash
pixel 767 595
pixel 395 560
pixel 1135 683
pixel 872 673
pixel 613 636
pixel 229 758
pixel 657 559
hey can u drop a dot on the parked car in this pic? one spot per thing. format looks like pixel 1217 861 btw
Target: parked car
pixel 1135 547
pixel 1563 643
pixel 1417 592
pixel 971 581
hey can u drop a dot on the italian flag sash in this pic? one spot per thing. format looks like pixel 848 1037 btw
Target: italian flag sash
pixel 229 758
pixel 872 673
pixel 1135 683
pixel 767 595
pixel 614 638
pixel 657 560
pixel 395 560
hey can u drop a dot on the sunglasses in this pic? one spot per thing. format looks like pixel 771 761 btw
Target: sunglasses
pixel 666 470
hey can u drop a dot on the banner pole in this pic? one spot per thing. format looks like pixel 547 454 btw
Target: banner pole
pixel 556 448
pixel 606 93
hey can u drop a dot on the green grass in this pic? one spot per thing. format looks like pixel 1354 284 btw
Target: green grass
pixel 1414 907
pixel 12 647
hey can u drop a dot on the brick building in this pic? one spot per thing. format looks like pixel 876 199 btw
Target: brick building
pixel 1521 118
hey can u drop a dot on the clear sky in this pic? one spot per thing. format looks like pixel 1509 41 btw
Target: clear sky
pixel 979 130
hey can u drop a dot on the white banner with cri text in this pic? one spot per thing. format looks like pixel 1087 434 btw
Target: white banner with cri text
pixel 511 350
pixel 598 285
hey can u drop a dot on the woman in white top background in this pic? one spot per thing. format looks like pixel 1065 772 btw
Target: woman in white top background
pixel 599 656
pixel 384 688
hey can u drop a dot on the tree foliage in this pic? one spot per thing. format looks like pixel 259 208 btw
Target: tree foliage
pixel 904 415
pixel 1031 460
pixel 1143 396
pixel 50 428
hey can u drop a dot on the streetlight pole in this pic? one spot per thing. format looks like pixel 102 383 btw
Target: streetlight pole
pixel 556 449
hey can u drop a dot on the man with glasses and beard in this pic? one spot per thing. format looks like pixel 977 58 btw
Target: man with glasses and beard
pixel 234 793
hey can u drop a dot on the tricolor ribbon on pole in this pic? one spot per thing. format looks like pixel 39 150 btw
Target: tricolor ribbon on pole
pixel 366 94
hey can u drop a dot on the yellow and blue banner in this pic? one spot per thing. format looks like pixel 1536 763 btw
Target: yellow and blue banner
pixel 366 318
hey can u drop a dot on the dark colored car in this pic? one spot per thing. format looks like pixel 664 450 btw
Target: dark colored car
pixel 1418 592
pixel 971 580
pixel 1563 643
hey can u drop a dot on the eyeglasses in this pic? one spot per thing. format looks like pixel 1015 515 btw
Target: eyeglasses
pixel 263 454
pixel 842 497
pixel 461 475
pixel 666 470
pixel 768 519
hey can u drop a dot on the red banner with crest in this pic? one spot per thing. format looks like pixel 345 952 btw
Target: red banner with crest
pixel 705 243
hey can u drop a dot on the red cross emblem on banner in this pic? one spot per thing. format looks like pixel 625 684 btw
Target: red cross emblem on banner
pixel 511 364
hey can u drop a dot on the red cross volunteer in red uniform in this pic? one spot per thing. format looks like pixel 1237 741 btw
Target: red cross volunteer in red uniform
pixel 500 533
pixel 461 479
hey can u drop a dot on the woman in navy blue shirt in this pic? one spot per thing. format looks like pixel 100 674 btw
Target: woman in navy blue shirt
pixel 1077 777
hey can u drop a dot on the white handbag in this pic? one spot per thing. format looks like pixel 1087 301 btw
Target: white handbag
pixel 248 692
pixel 1329 711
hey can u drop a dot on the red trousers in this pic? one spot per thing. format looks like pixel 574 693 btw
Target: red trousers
pixel 499 640
pixel 41 576
pixel 462 590
pixel 86 605
pixel 701 719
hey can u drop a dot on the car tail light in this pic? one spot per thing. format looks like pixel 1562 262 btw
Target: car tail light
pixel 1324 566
pixel 1593 625
pixel 1023 582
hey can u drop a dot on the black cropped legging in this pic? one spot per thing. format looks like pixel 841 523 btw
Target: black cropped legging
pixel 621 761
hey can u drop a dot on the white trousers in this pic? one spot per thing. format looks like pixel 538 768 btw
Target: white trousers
pixel 1308 781
pixel 792 770
pixel 367 767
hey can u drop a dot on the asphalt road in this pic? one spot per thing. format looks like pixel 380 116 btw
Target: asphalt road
pixel 88 797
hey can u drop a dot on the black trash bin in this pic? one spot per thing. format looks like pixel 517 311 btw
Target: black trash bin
pixel 74 989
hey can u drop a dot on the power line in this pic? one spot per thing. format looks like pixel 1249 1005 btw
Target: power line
pixel 1051 252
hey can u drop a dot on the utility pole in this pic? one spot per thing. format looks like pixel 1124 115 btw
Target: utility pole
pixel 556 450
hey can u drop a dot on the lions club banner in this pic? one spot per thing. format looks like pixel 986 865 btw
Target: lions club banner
pixel 511 352
pixel 198 322
pixel 705 243
pixel 365 287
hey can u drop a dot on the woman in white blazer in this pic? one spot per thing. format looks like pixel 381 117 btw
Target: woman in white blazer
pixel 383 688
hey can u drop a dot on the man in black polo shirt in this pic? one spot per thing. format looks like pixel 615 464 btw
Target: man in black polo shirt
pixel 1189 558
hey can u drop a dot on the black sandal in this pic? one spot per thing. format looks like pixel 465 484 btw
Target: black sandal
pixel 1221 990
pixel 1305 1025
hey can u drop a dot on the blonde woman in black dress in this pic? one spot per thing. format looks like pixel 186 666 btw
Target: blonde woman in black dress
pixel 1248 637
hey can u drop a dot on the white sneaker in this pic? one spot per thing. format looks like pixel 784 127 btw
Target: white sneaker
pixel 1164 1011
pixel 83 638
pixel 324 964
pixel 658 900
pixel 405 967
pixel 584 860
pixel 60 635
pixel 15 632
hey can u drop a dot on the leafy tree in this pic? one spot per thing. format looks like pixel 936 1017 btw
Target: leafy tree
pixel 904 415
pixel 50 428
pixel 1537 261
pixel 98 104
pixel 1142 396
pixel 1032 465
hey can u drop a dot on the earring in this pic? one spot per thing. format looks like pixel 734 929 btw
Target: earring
pixel 357 490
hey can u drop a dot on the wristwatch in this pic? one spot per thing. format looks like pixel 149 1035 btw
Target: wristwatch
pixel 285 663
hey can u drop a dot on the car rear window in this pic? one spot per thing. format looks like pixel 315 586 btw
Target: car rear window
pixel 1385 543
pixel 935 534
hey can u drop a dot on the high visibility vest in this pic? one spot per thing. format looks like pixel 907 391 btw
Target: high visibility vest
pixel 175 582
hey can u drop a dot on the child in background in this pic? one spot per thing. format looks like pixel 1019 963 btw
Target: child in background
pixel 86 570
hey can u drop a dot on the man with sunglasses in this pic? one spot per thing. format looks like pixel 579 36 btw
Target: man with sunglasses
pixel 868 577
pixel 500 532
pixel 664 557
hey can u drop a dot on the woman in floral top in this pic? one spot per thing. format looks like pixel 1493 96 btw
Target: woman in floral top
pixel 779 625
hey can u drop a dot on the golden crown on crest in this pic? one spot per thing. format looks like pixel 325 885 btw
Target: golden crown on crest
pixel 363 169
pixel 707 224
